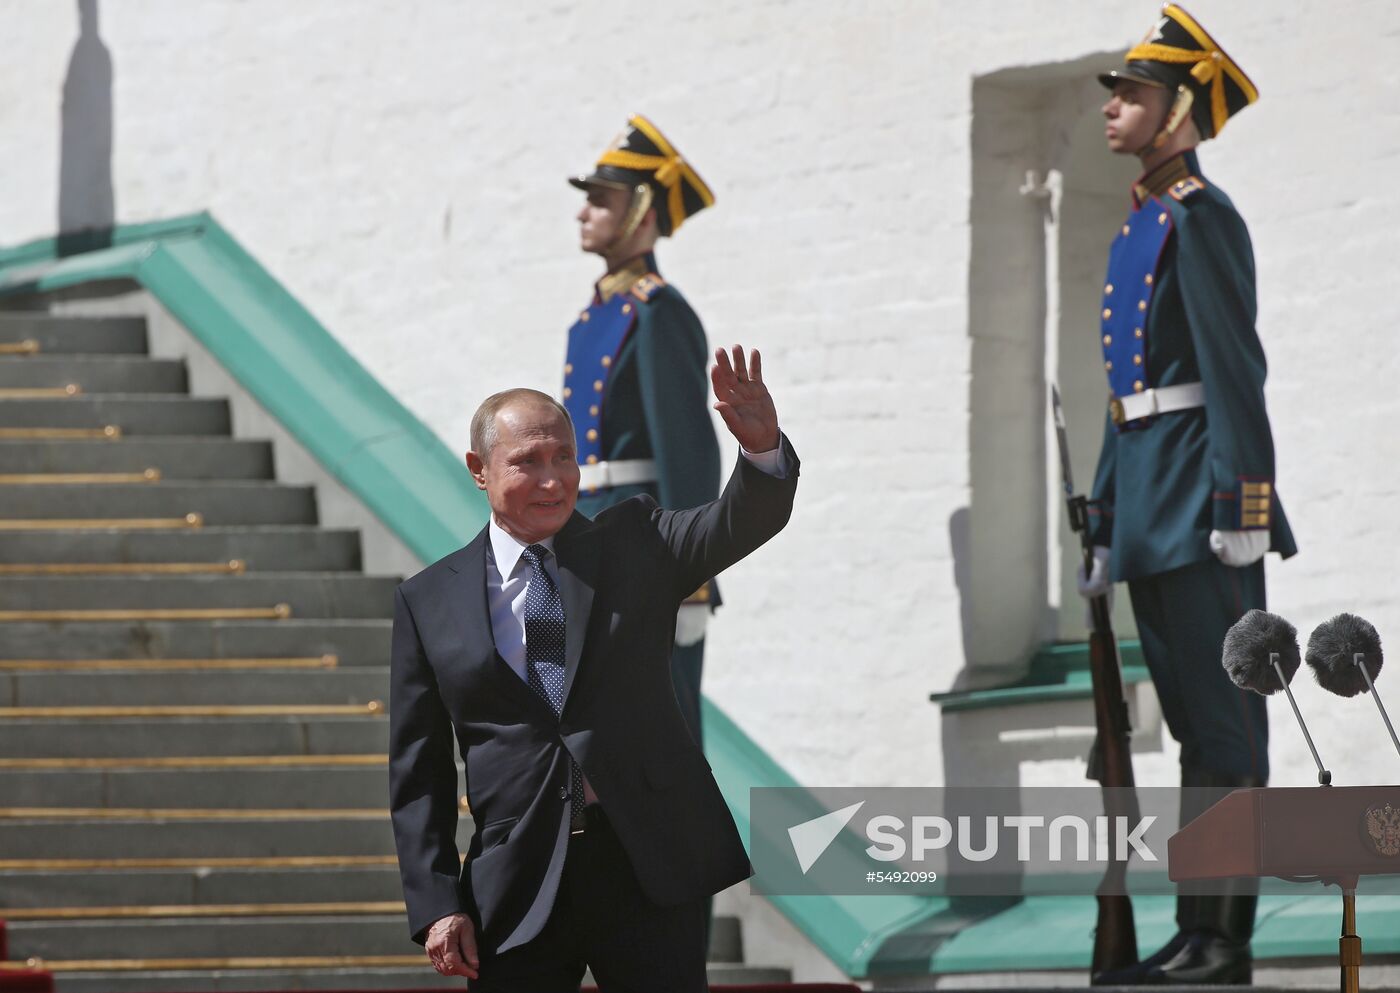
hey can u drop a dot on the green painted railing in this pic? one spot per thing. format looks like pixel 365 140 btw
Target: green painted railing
pixel 421 491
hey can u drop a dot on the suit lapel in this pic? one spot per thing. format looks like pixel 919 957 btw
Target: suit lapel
pixel 470 607
pixel 577 549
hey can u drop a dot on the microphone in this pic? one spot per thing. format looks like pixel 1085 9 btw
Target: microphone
pixel 1261 654
pixel 1345 657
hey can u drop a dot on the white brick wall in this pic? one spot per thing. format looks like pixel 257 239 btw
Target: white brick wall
pixel 400 167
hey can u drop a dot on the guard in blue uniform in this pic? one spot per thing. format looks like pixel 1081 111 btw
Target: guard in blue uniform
pixel 1184 502
pixel 636 378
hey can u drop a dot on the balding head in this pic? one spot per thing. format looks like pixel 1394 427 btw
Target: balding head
pixel 525 458
pixel 484 429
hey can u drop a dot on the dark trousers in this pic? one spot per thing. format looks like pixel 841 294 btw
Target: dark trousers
pixel 602 920
pixel 1182 617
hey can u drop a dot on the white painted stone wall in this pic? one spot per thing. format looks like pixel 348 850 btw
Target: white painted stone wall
pixel 400 168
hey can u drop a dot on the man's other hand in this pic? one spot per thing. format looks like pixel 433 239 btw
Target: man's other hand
pixel 451 946
pixel 743 401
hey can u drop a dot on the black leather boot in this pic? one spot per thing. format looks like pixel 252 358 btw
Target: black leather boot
pixel 1211 944
pixel 1215 926
pixel 1137 974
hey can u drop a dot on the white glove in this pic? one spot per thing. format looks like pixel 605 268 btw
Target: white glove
pixel 1097 582
pixel 1239 548
pixel 690 623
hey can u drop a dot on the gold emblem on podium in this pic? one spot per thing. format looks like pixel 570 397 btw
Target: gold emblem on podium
pixel 1383 829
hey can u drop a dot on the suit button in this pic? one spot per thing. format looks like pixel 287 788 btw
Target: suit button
pixel 1107 313
pixel 568 368
pixel 592 460
pixel 607 361
pixel 563 793
pixel 1108 339
pixel 592 435
pixel 1108 289
pixel 1137 360
pixel 568 393
pixel 597 386
pixel 1108 366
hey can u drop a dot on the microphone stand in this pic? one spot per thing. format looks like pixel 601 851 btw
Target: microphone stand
pixel 1324 778
pixel 1359 660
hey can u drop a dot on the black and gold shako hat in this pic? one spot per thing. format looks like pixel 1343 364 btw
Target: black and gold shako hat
pixel 642 157
pixel 1178 54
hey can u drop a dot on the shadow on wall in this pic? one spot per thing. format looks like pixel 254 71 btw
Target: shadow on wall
pixel 973 754
pixel 86 203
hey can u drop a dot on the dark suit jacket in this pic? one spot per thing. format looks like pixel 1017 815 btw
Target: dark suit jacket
pixel 622 578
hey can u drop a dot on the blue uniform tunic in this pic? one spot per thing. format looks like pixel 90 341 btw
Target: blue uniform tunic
pixel 636 383
pixel 1178 308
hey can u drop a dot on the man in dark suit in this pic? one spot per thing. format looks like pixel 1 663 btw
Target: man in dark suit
pixel 1184 506
pixel 634 370
pixel 542 648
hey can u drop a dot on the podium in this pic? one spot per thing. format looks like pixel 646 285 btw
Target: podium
pixel 1332 835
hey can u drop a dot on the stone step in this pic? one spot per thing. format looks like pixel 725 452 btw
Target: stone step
pixel 166 836
pixel 315 786
pixel 176 458
pixel 96 374
pixel 75 335
pixel 195 688
pixel 353 642
pixel 213 937
pixel 291 734
pixel 327 594
pixel 164 887
pixel 218 503
pixel 260 549
pixel 135 415
pixel 348 977
pixel 726 940
pixel 353 975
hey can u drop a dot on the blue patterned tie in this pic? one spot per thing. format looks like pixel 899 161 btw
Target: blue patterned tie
pixel 544 652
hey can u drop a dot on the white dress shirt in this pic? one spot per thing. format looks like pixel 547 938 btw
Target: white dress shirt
pixel 507 579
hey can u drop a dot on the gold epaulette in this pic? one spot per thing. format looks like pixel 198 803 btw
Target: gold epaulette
pixel 644 288
pixel 1186 187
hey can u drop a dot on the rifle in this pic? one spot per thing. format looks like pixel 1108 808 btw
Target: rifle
pixel 1110 759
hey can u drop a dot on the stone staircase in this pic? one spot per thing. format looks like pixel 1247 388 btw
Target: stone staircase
pixel 192 694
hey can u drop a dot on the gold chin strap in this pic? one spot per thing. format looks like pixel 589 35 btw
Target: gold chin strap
pixel 1180 110
pixel 636 210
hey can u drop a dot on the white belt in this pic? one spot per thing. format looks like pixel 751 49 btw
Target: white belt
pixel 617 473
pixel 1164 400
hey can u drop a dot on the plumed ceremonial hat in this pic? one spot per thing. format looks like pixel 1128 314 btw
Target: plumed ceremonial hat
pixel 641 155
pixel 1177 51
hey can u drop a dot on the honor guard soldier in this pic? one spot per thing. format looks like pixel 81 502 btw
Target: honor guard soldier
pixel 1184 502
pixel 636 370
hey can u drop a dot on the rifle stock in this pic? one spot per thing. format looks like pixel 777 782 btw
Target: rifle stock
pixel 1111 765
pixel 1110 760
